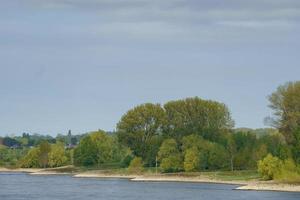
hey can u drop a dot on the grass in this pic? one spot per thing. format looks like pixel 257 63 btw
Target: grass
pixel 243 175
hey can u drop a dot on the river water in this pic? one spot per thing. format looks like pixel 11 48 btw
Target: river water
pixel 17 186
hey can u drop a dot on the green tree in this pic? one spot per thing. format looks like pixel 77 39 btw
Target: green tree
pixel 232 150
pixel 86 152
pixel 206 118
pixel 32 159
pixel 269 166
pixel 98 148
pixel 169 156
pixel 139 126
pixel 285 102
pixel 191 160
pixel 57 155
pixel 44 149
pixel 136 166
pixel 217 156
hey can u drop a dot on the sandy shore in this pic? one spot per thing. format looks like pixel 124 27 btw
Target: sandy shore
pixel 263 186
pixel 242 185
pixel 26 170
pixel 33 171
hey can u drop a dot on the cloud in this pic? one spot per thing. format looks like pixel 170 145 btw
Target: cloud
pixel 159 21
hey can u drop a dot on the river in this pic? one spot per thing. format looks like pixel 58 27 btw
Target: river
pixel 20 186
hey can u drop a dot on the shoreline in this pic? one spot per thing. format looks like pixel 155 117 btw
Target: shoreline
pixel 245 185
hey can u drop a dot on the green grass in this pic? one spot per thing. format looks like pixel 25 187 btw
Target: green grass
pixel 243 175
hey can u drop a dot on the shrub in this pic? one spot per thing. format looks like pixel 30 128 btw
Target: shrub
pixel 126 161
pixel 191 160
pixel 136 166
pixel 269 166
pixel 172 163
pixel 169 156
pixel 288 172
pixel 31 160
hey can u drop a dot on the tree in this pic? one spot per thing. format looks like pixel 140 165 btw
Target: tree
pixel 138 126
pixel 191 160
pixel 285 102
pixel 8 141
pixel 169 156
pixel 217 156
pixel 99 148
pixel 206 118
pixel 32 159
pixel 232 150
pixel 57 155
pixel 104 145
pixel 86 152
pixel 44 149
pixel 136 165
pixel 269 166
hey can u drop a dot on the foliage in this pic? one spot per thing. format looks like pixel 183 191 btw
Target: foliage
pixel 169 156
pixel 31 160
pixel 136 165
pixel 209 155
pixel 98 148
pixel 139 126
pixel 285 102
pixel 191 160
pixel 45 155
pixel 194 115
pixel 57 156
pixel 269 167
pixel 44 149
pixel 288 172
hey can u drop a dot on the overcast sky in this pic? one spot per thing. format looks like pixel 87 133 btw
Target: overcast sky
pixel 81 64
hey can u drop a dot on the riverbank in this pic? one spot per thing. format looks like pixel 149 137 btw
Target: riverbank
pixel 25 170
pixel 244 182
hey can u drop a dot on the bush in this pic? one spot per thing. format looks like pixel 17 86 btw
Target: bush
pixel 169 156
pixel 288 172
pixel 191 160
pixel 172 163
pixel 31 160
pixel 126 161
pixel 57 157
pixel 136 166
pixel 269 167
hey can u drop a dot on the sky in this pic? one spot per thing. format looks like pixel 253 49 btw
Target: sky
pixel 81 64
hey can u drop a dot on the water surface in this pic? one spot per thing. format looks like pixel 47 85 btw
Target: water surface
pixel 17 186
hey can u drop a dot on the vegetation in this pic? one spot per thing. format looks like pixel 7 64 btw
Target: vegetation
pixel 190 135
pixel 136 166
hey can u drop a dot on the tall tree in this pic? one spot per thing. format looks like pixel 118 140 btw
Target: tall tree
pixel 285 102
pixel 197 116
pixel 139 126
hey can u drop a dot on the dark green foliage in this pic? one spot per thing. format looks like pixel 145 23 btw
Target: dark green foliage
pixel 10 142
pixel 86 152
pixel 98 148
pixel 126 161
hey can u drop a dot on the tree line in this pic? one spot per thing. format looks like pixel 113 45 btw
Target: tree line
pixel 191 134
